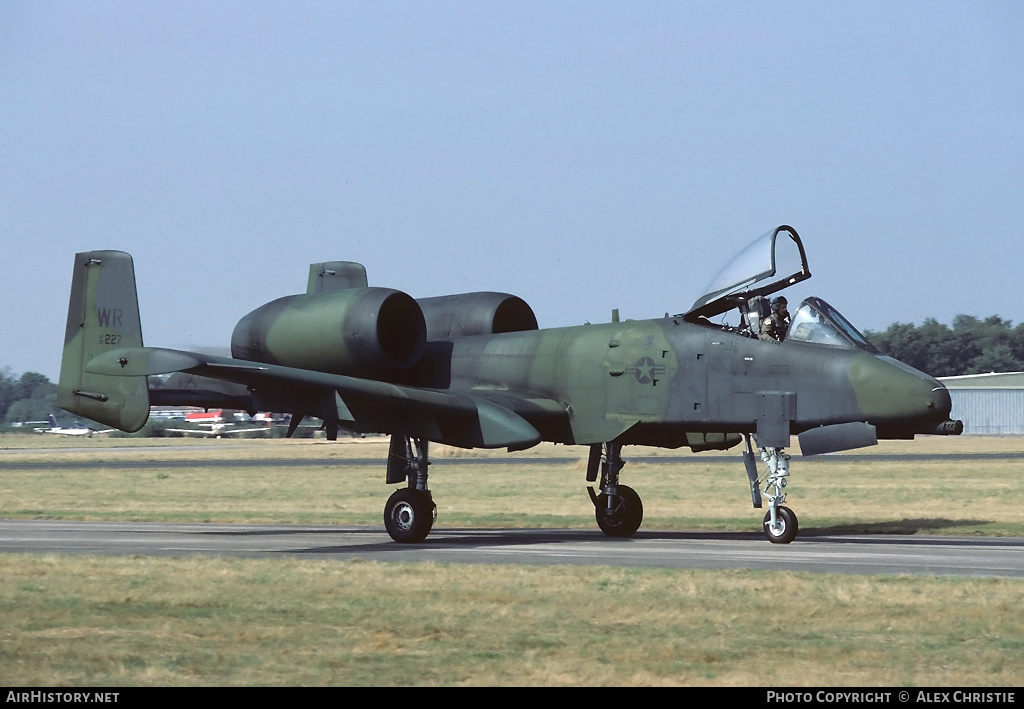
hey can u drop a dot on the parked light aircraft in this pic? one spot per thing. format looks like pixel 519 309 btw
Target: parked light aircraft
pixel 474 370
pixel 216 423
pixel 217 430
pixel 79 430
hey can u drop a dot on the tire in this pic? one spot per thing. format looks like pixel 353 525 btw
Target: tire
pixel 626 518
pixel 788 526
pixel 408 515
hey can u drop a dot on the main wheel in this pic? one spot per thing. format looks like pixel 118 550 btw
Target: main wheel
pixel 409 515
pixel 626 515
pixel 787 528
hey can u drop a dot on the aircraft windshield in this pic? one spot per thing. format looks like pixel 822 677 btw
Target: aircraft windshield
pixel 772 262
pixel 818 322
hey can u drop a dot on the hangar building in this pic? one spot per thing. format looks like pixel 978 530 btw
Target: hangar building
pixel 988 404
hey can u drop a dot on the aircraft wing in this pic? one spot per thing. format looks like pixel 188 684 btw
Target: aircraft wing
pixel 465 419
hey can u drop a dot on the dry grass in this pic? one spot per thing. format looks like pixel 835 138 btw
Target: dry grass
pixel 978 496
pixel 156 621
pixel 78 620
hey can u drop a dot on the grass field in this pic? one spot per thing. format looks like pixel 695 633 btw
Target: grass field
pixel 156 621
pixel 80 620
pixel 978 496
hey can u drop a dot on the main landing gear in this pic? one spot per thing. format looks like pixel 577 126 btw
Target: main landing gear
pixel 780 523
pixel 618 508
pixel 410 513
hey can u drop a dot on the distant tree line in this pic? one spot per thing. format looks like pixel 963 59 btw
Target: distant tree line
pixel 29 397
pixel 970 346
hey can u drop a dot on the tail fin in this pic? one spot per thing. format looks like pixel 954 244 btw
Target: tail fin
pixel 332 276
pixel 52 419
pixel 103 315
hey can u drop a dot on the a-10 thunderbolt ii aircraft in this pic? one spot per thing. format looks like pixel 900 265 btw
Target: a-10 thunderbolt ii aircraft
pixel 473 370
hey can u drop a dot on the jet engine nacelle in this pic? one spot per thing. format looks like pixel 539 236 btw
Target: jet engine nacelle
pixel 484 313
pixel 356 332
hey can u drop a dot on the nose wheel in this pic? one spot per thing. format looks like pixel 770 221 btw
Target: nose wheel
pixel 785 527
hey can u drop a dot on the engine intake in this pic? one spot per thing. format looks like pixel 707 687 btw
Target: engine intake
pixel 482 313
pixel 358 332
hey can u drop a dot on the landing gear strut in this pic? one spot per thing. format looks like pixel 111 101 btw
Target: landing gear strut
pixel 618 508
pixel 410 513
pixel 780 523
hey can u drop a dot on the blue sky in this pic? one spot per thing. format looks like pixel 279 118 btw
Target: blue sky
pixel 583 155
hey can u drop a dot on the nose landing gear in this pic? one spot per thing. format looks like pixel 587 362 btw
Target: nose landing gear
pixel 780 523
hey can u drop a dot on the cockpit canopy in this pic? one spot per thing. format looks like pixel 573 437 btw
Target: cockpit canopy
pixel 774 261
pixel 818 322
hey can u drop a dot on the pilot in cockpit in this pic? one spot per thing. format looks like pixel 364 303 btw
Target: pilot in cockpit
pixel 774 327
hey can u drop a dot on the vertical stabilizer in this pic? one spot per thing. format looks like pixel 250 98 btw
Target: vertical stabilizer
pixel 103 314
pixel 331 276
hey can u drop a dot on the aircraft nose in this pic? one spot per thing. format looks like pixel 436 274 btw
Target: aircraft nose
pixel 891 393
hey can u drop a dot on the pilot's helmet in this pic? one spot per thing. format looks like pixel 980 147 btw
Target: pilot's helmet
pixel 777 303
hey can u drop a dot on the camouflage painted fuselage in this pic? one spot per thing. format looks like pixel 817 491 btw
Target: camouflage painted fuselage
pixel 658 382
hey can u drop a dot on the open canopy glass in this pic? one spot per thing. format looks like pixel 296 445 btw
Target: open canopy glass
pixel 774 261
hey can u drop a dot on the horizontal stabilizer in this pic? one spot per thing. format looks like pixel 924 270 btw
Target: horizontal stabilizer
pixel 142 362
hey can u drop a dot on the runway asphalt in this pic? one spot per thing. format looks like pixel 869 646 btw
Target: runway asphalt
pixel 860 554
pixel 854 554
